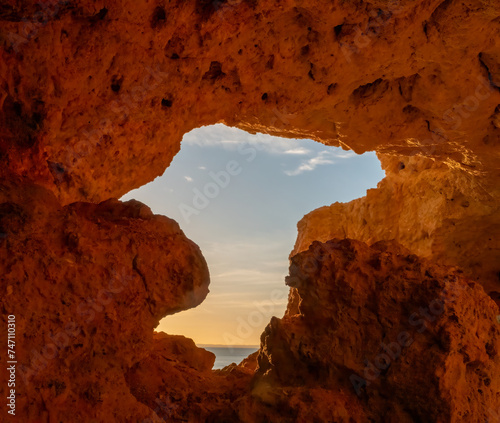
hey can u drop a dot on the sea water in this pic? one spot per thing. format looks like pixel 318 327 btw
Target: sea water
pixel 224 356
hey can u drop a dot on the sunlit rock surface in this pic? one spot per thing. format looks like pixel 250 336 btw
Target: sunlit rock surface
pixel 440 213
pixel 97 95
pixel 94 100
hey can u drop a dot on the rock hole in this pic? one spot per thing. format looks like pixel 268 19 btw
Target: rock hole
pixel 102 14
pixel 18 108
pixel 116 84
pixel 159 17
pixel 166 102
pixel 310 74
pixel 99 16
pixel 239 197
pixel 331 88
pixel 337 30
pixel 370 92
pixel 270 62
pixel 214 73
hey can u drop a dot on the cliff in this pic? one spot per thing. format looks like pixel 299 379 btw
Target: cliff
pixel 94 100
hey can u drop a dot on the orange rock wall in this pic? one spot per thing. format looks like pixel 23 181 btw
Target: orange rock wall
pixel 440 213
pixel 88 284
pixel 94 100
pixel 388 336
pixel 97 95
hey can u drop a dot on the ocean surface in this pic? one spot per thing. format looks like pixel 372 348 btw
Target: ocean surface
pixel 224 356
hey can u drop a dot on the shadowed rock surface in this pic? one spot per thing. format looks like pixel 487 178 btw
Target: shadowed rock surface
pixel 416 341
pixel 88 283
pixel 94 100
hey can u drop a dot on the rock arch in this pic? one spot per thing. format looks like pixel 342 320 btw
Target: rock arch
pixel 95 98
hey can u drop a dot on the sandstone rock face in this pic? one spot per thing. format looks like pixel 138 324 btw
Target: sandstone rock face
pixel 94 100
pixel 390 336
pixel 437 212
pixel 97 95
pixel 88 283
pixel 176 381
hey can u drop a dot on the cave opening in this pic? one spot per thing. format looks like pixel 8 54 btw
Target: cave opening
pixel 239 197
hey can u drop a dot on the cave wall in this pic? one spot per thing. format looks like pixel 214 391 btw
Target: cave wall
pixel 96 95
pixel 386 335
pixel 440 213
pixel 88 283
pixel 94 100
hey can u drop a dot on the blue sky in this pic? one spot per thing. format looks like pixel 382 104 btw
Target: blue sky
pixel 239 197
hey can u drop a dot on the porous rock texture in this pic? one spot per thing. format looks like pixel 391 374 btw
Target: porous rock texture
pixel 97 95
pixel 443 214
pixel 88 284
pixel 416 341
pixel 94 100
pixel 379 335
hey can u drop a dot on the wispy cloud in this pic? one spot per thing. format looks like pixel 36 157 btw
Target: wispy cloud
pixel 188 178
pixel 341 154
pixel 322 158
pixel 232 138
pixel 298 151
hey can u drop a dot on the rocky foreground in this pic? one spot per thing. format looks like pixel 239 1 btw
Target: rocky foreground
pixel 394 297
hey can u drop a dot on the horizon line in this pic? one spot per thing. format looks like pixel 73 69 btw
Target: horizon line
pixel 226 346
